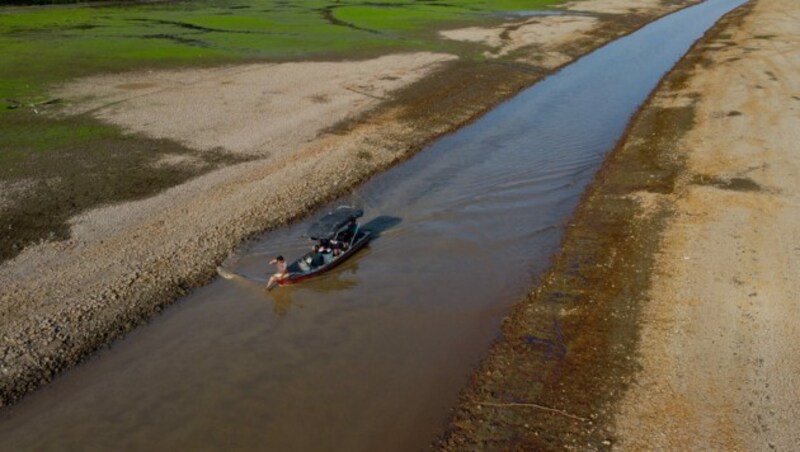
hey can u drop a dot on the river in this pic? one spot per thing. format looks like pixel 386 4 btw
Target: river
pixel 373 355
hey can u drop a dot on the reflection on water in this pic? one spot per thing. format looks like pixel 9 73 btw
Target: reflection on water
pixel 342 278
pixel 372 355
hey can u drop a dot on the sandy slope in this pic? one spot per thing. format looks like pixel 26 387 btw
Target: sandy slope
pixel 619 6
pixel 549 35
pixel 720 344
pixel 256 109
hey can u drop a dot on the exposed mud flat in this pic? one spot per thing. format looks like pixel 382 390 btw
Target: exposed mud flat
pixel 622 6
pixel 256 110
pixel 123 263
pixel 548 33
pixel 558 38
pixel 669 320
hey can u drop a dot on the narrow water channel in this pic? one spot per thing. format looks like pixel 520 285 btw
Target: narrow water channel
pixel 372 356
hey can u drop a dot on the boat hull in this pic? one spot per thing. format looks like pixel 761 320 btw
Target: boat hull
pixel 295 277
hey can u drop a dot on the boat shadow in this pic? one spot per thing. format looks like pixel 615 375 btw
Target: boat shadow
pixel 381 224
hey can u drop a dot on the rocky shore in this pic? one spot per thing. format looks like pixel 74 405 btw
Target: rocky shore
pixel 669 320
pixel 122 264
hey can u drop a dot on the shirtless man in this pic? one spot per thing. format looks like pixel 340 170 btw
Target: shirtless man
pixel 280 274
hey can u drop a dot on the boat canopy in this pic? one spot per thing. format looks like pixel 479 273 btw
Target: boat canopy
pixel 332 223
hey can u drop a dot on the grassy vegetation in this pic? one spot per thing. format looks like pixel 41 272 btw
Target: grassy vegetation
pixel 78 163
pixel 46 45
pixel 49 2
pixel 67 165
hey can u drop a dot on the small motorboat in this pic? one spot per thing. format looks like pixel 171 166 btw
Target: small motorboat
pixel 338 236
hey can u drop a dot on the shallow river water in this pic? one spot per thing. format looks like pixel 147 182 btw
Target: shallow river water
pixel 371 356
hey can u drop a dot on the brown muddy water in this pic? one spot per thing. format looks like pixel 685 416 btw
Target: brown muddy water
pixel 373 355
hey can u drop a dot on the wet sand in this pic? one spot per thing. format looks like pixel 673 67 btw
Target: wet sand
pixel 122 264
pixel 669 320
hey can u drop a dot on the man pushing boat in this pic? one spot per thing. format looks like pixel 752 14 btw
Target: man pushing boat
pixel 278 276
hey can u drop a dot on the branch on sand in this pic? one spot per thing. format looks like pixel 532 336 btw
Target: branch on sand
pixel 534 405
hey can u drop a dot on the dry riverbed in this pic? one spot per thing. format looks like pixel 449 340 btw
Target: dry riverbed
pixel 720 336
pixel 670 319
pixel 121 264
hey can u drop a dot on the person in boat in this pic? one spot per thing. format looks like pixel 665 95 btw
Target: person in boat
pixel 346 236
pixel 326 250
pixel 280 274
pixel 338 247
pixel 316 255
pixel 325 246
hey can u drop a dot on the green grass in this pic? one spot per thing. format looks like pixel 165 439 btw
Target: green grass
pixel 383 19
pixel 73 164
pixel 45 45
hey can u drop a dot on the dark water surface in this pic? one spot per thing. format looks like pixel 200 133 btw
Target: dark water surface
pixel 372 356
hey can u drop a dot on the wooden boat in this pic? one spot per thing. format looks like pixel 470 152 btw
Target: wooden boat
pixel 339 236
